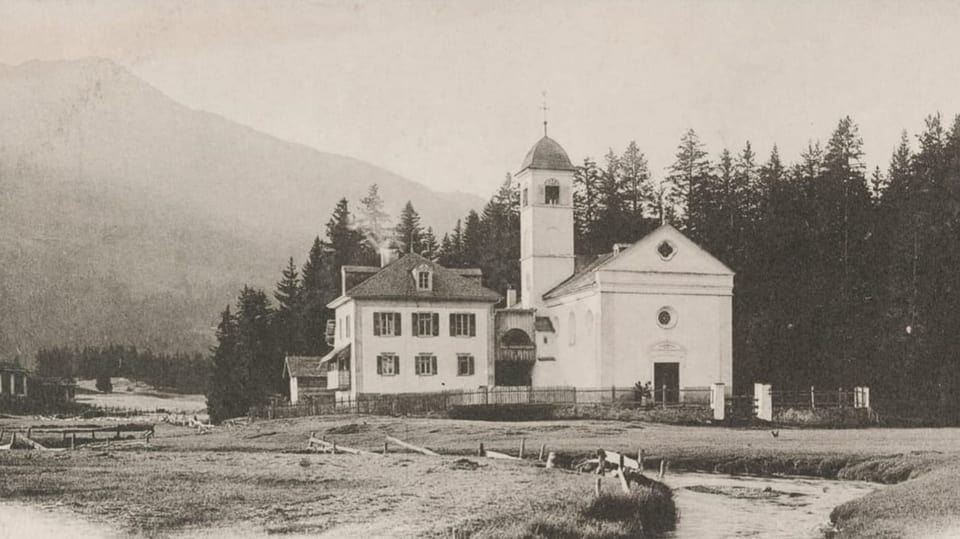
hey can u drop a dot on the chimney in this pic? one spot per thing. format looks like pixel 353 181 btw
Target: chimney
pixel 387 255
pixel 617 247
pixel 511 297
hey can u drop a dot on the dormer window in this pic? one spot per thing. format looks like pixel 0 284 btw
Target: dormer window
pixel 551 192
pixel 424 277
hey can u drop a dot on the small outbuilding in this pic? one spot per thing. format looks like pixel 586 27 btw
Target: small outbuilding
pixel 306 376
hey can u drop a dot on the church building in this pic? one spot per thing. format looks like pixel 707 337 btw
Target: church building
pixel 658 311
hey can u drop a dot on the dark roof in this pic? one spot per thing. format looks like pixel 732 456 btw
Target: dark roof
pixel 582 278
pixel 547 154
pixel 544 325
pixel 396 281
pixel 303 366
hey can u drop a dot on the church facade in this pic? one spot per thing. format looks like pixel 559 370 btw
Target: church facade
pixel 658 311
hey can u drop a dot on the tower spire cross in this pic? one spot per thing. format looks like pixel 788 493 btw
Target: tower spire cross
pixel 544 108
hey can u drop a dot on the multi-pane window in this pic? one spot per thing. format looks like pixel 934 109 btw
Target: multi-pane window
pixel 426 365
pixel 386 324
pixel 388 364
pixel 463 325
pixel 425 324
pixel 464 365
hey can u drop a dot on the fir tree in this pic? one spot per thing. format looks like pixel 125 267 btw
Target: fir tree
pixel 374 222
pixel 409 232
pixel 687 181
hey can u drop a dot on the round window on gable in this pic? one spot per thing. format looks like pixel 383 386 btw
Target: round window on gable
pixel 666 318
pixel 666 250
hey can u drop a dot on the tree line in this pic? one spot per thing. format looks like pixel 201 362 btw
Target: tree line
pixel 180 372
pixel 844 276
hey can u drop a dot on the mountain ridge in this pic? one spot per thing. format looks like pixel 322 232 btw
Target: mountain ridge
pixel 113 183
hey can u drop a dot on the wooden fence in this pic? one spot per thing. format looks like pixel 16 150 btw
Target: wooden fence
pixel 441 402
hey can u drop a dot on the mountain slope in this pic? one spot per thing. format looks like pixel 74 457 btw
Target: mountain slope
pixel 127 217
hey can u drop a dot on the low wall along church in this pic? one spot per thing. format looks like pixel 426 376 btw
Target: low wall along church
pixel 657 311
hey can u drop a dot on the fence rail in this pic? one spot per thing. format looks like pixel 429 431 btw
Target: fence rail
pixel 440 402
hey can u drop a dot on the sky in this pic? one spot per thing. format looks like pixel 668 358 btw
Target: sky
pixel 449 93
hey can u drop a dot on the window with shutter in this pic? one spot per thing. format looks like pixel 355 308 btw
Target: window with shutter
pixel 426 324
pixel 386 324
pixel 387 364
pixel 465 365
pixel 463 325
pixel 426 365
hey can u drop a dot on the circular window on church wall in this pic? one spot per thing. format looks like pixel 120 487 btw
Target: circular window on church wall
pixel 666 250
pixel 666 317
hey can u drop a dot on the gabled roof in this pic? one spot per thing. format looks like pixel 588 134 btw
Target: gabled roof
pixel 547 154
pixel 636 258
pixel 303 367
pixel 396 281
pixel 583 278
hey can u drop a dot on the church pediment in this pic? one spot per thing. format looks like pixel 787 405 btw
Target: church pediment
pixel 666 250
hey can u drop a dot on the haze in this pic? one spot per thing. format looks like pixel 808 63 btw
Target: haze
pixel 449 93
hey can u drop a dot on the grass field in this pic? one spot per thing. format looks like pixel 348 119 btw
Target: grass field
pixel 139 396
pixel 257 477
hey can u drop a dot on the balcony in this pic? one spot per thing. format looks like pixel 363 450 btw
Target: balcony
pixel 339 380
pixel 517 353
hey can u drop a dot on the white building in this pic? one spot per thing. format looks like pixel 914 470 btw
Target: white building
pixel 657 311
pixel 411 326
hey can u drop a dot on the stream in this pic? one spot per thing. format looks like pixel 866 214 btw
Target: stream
pixel 714 506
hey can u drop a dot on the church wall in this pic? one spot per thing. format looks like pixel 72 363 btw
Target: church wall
pixel 577 360
pixel 701 340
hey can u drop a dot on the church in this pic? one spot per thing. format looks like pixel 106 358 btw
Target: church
pixel 658 311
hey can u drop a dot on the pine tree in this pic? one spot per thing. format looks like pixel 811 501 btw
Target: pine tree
pixel 227 391
pixel 348 244
pixel 256 344
pixel 638 188
pixel 288 314
pixel 409 232
pixel 429 248
pixel 373 221
pixel 319 285
pixel 687 181
pixel 472 241
pixel 587 179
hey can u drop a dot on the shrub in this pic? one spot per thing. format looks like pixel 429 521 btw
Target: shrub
pixel 104 384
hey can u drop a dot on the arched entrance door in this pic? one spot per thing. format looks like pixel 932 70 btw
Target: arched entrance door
pixel 516 356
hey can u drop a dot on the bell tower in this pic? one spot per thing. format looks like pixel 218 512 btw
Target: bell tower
pixel 546 220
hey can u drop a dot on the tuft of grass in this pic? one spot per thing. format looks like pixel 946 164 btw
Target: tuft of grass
pixel 648 511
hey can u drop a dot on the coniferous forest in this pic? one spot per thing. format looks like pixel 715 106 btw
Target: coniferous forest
pixel 845 276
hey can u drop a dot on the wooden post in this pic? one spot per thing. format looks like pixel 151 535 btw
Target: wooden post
pixel 93 435
pixel 540 456
pixel 334 448
pixel 663 397
pixel 118 432
pixel 613 394
pixel 551 459
pixel 640 459
pixel 523 443
pixel 385 448
pixel 29 432
pixel 13 442
pixel 73 441
pixel 601 460
pixel 840 397
pixel 621 463
pixel 596 487
pixel 813 403
pixel 663 466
